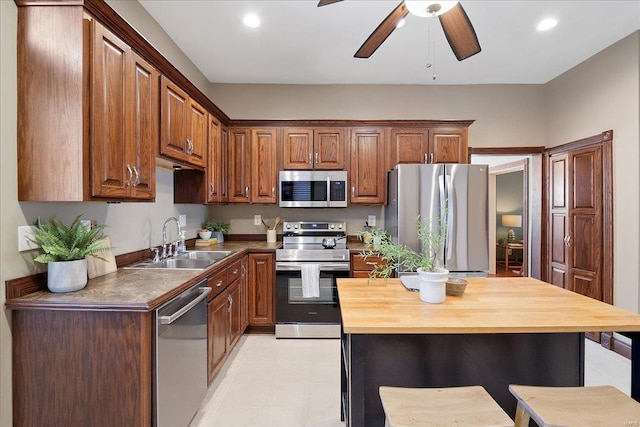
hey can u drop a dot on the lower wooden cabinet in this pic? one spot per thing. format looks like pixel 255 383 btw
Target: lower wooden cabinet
pixel 261 289
pixel 360 267
pixel 218 326
pixel 244 293
pixel 235 313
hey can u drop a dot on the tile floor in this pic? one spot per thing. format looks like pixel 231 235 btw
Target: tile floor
pixel 281 383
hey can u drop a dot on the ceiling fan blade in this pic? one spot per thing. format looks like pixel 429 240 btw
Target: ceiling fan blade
pixel 460 33
pixel 327 2
pixel 383 31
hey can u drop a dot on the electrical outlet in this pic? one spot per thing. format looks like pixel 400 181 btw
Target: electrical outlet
pixel 182 219
pixel 372 220
pixel 257 220
pixel 24 244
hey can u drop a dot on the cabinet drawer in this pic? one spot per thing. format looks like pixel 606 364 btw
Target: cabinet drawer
pixel 234 271
pixel 217 282
pixel 358 263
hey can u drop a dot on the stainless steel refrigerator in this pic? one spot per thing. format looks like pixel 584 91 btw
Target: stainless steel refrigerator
pixel 456 193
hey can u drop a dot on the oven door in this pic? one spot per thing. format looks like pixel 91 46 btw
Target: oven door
pixel 299 317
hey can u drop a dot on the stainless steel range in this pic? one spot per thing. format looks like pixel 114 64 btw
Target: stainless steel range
pixel 313 256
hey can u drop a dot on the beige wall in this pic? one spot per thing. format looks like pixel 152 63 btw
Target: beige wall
pixel 506 115
pixel 600 94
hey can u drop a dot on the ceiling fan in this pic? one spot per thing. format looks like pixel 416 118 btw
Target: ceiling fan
pixel 454 20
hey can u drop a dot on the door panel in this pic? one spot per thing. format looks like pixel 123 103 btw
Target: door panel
pixel 558 182
pixel 558 234
pixel 558 220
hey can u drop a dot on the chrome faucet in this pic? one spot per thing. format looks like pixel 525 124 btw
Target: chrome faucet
pixel 164 237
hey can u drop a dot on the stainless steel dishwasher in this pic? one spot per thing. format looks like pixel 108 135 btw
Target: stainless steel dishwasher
pixel 181 357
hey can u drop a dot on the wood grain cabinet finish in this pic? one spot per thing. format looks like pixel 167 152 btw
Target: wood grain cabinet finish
pixel 90 137
pixel 428 145
pixel 261 289
pixel 218 326
pixel 361 267
pixel 216 188
pixel 367 172
pixel 244 292
pixel 448 145
pixel 239 164
pixel 184 126
pixel 264 171
pixel 309 148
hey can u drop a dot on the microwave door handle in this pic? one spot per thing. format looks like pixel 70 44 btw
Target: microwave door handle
pixel 328 192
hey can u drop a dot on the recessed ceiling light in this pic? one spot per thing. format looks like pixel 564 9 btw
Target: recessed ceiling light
pixel 251 21
pixel 546 24
pixel 401 23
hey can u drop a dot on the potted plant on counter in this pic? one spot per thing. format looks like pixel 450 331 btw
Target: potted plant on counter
pixel 217 229
pixel 65 249
pixel 432 278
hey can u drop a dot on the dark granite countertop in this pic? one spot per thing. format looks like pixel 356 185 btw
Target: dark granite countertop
pixel 135 290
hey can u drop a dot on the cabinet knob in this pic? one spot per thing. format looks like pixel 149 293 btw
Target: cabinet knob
pixel 431 158
pixel 316 158
pixel 273 191
pixel 211 187
pixel 353 191
pixel 218 283
pixel 310 159
pixel 426 159
pixel 246 191
pixel 137 180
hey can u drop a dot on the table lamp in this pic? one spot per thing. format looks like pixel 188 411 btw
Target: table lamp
pixel 511 221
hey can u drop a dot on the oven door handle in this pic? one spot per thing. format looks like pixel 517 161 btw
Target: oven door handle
pixel 324 266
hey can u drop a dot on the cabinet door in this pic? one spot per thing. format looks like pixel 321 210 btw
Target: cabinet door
pixel 244 292
pixel 223 166
pixel 235 313
pixel 409 146
pixel 174 125
pixel 261 290
pixel 218 327
pixel 367 172
pixel 448 146
pixel 215 161
pixel 144 139
pixel 239 165
pixel 298 148
pixel 328 149
pixel 264 173
pixel 197 135
pixel 110 173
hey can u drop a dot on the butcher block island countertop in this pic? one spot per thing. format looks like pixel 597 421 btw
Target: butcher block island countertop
pixel 489 305
pixel 502 331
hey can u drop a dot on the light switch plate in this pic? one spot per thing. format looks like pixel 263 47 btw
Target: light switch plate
pixel 24 244
pixel 257 220
pixel 372 220
pixel 182 219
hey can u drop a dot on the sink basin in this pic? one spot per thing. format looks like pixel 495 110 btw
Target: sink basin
pixel 191 260
pixel 205 255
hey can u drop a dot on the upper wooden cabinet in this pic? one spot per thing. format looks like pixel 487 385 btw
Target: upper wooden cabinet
pixel 367 172
pixel 308 148
pixel 253 173
pixel 184 127
pixel 217 163
pixel 428 145
pixel 90 136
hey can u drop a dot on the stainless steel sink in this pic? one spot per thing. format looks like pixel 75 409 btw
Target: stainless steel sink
pixel 191 260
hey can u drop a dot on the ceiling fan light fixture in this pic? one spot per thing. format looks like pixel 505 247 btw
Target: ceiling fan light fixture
pixel 429 7
pixel 401 23
pixel 251 20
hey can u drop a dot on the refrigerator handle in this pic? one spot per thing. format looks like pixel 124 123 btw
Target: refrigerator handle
pixel 450 216
pixel 443 200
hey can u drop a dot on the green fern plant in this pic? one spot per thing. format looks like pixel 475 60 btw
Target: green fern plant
pixel 62 243
pixel 210 225
pixel 401 257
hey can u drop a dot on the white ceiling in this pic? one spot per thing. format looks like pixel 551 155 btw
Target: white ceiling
pixel 299 43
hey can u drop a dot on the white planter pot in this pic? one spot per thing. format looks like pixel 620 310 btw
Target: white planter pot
pixel 433 285
pixel 67 276
pixel 218 235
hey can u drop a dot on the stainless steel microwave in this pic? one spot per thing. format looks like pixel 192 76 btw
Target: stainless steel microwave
pixel 313 189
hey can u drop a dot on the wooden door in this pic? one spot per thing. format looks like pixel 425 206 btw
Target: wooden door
pixel 585 222
pixel 367 171
pixel 239 165
pixel 215 161
pixel 558 219
pixel 218 327
pixel 448 146
pixel 235 313
pixel 409 146
pixel 198 125
pixel 174 124
pixel 329 149
pixel 111 175
pixel 261 289
pixel 144 128
pixel 298 148
pixel 264 172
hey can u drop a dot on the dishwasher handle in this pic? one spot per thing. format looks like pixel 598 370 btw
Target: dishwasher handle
pixel 167 320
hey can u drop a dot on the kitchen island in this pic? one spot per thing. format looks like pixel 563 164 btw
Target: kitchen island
pixel 501 331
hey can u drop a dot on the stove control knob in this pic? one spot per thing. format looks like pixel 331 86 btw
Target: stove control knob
pixel 288 226
pixel 332 226
pixel 340 226
pixel 295 226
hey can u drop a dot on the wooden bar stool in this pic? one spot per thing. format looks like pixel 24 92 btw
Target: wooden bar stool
pixel 591 406
pixel 433 407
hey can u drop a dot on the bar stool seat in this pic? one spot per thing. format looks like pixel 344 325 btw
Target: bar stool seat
pixel 591 406
pixel 446 407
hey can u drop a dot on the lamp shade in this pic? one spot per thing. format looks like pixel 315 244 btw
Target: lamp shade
pixel 512 220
